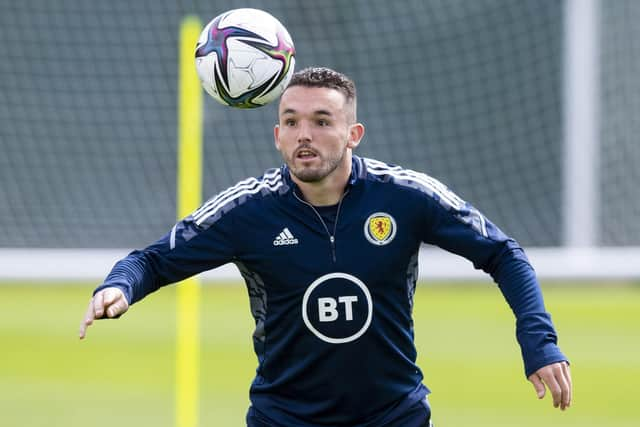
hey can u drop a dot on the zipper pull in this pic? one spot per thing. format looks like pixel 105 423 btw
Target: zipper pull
pixel 333 247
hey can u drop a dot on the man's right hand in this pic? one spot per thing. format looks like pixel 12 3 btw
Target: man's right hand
pixel 108 302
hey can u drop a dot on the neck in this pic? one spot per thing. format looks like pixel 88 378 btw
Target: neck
pixel 318 195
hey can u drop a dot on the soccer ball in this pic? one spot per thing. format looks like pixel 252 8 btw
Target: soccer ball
pixel 245 58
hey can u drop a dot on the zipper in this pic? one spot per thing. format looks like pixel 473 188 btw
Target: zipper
pixel 332 236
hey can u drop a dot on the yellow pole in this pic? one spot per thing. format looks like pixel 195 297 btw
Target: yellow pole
pixel 189 189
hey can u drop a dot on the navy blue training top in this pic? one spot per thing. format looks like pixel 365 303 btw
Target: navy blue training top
pixel 333 302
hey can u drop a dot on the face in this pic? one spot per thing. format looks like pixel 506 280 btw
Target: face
pixel 314 133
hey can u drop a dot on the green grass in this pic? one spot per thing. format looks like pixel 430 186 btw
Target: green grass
pixel 123 373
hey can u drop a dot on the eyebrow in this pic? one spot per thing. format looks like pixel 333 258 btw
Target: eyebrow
pixel 315 113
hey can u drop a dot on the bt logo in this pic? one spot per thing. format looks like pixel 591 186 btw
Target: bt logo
pixel 327 308
pixel 337 308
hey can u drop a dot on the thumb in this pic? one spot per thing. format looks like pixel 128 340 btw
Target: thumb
pixel 538 385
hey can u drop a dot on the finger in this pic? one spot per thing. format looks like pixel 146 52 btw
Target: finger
pixel 87 320
pixel 98 305
pixel 83 331
pixel 568 375
pixel 567 394
pixel 565 388
pixel 111 302
pixel 119 302
pixel 537 385
pixel 549 378
pixel 115 309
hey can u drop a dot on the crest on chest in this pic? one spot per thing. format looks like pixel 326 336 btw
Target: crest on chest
pixel 380 228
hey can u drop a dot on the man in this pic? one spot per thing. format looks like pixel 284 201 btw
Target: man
pixel 328 246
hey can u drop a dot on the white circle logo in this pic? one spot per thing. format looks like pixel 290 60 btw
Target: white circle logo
pixel 337 308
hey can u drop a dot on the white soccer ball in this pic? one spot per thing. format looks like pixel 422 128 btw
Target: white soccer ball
pixel 245 58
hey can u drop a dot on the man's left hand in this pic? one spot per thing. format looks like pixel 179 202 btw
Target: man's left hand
pixel 557 378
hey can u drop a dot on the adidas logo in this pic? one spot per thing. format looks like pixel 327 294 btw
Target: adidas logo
pixel 285 238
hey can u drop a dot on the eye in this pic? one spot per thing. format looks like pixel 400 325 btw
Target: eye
pixel 289 122
pixel 323 122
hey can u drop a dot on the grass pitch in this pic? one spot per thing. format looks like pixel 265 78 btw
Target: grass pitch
pixel 123 373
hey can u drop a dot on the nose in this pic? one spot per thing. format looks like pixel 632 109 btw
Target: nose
pixel 304 132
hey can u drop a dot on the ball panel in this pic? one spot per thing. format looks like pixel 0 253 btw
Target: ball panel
pixel 248 67
pixel 273 94
pixel 206 67
pixel 256 21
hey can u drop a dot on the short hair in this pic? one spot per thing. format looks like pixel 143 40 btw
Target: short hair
pixel 327 78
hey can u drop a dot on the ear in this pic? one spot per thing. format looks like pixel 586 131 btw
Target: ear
pixel 276 136
pixel 356 132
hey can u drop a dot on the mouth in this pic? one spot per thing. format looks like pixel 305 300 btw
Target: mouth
pixel 305 154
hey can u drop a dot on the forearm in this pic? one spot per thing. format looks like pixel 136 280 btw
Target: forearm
pixel 534 329
pixel 184 252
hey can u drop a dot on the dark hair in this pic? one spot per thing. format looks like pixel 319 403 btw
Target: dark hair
pixel 325 77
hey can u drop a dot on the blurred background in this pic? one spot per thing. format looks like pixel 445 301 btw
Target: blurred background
pixel 528 109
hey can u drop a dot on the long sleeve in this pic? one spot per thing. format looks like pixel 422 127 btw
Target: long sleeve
pixel 183 252
pixel 461 229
